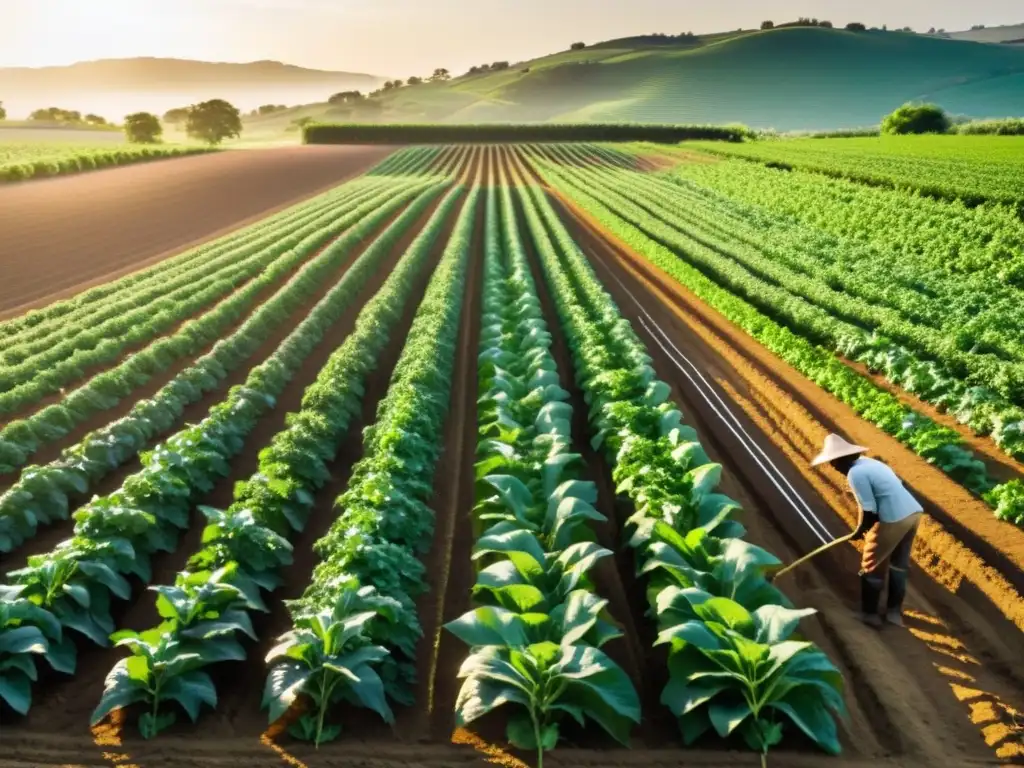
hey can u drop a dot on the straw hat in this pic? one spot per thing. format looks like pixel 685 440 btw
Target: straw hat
pixel 835 447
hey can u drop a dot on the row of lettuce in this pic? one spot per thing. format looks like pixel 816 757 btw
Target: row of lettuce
pixel 535 637
pixel 748 281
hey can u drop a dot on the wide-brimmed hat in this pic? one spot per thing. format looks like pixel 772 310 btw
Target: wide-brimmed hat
pixel 836 447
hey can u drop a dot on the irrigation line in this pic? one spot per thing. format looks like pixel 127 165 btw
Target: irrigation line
pixel 728 417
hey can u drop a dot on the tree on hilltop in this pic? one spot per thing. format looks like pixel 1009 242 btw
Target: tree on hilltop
pixel 577 46
pixel 345 97
pixel 767 25
pixel 415 80
pixel 213 121
pixel 143 128
pixel 440 75
pixel 856 26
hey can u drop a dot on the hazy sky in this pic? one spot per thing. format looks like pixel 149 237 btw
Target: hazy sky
pixel 405 37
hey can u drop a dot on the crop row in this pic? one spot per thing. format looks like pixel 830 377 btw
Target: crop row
pixel 974 169
pixel 206 611
pixel 536 633
pixel 20 162
pixel 733 665
pixel 116 535
pixel 355 628
pixel 647 235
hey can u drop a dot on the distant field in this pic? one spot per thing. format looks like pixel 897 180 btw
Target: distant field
pixel 973 168
pixel 23 133
pixel 23 160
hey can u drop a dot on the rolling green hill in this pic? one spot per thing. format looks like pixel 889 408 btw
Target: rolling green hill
pixel 790 79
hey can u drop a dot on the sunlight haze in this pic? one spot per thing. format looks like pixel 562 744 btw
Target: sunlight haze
pixel 405 37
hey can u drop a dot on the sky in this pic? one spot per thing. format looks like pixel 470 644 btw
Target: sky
pixel 406 37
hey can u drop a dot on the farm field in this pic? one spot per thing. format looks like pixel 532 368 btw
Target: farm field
pixel 486 411
pixel 973 168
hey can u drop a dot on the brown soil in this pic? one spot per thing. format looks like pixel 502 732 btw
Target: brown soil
pixel 59 236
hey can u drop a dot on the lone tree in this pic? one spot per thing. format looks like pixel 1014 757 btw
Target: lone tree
pixel 415 80
pixel 213 121
pixel 916 118
pixel 577 46
pixel 767 25
pixel 3 112
pixel 856 26
pixel 176 116
pixel 440 75
pixel 345 97
pixel 143 128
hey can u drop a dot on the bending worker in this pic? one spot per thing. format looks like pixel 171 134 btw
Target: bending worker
pixel 889 517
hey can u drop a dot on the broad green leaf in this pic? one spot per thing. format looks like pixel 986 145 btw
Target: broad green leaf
pixel 16 690
pixel 191 691
pixel 805 709
pixel 489 626
pixel 21 640
pixel 284 684
pixel 775 624
pixel 479 696
pixel 368 690
pixel 682 698
pixel 726 716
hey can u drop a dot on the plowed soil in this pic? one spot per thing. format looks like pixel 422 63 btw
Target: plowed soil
pixel 948 690
pixel 59 236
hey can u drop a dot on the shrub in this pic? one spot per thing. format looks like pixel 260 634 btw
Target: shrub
pixel 856 26
pixel 577 46
pixel 1007 126
pixel 916 118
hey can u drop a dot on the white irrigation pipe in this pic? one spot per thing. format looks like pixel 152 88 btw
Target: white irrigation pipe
pixel 722 410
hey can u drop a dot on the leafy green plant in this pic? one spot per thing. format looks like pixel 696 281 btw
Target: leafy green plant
pixel 328 657
pixel 27 632
pixel 738 671
pixel 550 681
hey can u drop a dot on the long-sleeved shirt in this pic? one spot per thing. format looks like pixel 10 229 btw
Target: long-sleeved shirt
pixel 879 490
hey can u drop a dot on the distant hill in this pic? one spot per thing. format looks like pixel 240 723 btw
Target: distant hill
pixel 114 87
pixel 797 78
pixel 1009 33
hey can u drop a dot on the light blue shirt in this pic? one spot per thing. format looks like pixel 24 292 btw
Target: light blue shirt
pixel 879 490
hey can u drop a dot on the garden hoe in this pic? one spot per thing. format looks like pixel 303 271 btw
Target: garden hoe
pixel 815 553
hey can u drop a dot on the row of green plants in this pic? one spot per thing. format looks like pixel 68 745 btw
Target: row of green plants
pixel 187 338
pixel 117 535
pixel 22 438
pixel 971 169
pixel 776 275
pixel 261 234
pixel 49 364
pixel 113 318
pixel 43 494
pixel 536 633
pixel 413 133
pixel 205 614
pixel 736 667
pixel 89 159
pixel 939 445
pixel 355 628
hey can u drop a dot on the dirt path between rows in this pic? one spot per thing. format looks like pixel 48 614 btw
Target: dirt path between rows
pixel 949 686
pixel 61 236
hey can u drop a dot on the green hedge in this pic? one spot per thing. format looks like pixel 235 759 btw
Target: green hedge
pixel 412 133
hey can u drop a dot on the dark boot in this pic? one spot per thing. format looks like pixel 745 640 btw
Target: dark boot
pixel 870 592
pixel 897 591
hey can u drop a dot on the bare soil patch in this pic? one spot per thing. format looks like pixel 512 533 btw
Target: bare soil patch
pixel 60 236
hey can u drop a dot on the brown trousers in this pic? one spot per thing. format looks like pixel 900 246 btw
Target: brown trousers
pixel 889 544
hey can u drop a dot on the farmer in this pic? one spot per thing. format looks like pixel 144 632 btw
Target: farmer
pixel 889 517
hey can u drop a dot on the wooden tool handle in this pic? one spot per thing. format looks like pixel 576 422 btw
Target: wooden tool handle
pixel 815 553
